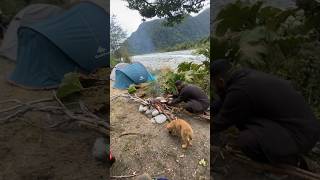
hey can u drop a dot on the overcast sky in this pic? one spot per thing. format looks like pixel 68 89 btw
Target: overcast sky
pixel 127 18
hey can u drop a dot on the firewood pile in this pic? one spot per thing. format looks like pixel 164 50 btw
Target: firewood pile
pixel 54 105
pixel 159 104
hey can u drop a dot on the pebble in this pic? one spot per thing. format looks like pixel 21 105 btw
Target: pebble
pixel 142 108
pixel 160 118
pixel 155 113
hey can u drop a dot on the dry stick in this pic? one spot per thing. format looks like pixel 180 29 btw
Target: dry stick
pixel 292 168
pixel 97 128
pixel 140 100
pixel 60 123
pixel 266 167
pixel 40 101
pixel 27 108
pixel 80 118
pixel 85 109
pixel 23 104
pixel 161 111
pixel 125 176
pixel 11 108
pixel 11 100
pixel 287 169
pixel 22 111
pixel 129 133
pixel 136 99
pixel 115 97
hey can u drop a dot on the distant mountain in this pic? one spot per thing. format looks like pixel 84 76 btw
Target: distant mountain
pixel 153 35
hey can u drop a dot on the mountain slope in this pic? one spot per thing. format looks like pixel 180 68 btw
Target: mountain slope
pixel 153 35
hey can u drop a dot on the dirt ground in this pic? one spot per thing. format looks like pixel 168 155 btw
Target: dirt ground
pixel 153 150
pixel 231 168
pixel 30 151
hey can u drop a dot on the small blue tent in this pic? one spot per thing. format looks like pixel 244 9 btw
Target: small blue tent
pixel 134 73
pixel 77 40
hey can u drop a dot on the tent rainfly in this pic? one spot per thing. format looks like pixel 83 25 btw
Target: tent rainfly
pixel 73 41
pixel 33 13
pixel 113 72
pixel 134 73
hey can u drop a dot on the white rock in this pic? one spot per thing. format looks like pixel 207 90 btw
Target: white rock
pixel 148 111
pixel 160 118
pixel 142 108
pixel 161 99
pixel 155 113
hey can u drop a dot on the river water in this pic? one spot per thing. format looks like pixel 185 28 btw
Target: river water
pixel 156 61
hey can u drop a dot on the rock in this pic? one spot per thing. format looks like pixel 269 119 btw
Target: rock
pixel 142 108
pixel 149 113
pixel 99 150
pixel 144 176
pixel 161 99
pixel 160 118
pixel 155 113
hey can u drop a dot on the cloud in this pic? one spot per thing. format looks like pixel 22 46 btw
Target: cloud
pixel 128 19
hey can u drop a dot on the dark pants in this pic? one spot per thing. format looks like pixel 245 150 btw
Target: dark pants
pixel 194 106
pixel 252 147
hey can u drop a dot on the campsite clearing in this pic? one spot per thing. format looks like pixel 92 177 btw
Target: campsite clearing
pixel 141 146
pixel 30 151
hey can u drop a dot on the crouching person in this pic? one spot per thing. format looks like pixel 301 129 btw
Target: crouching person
pixel 276 125
pixel 195 98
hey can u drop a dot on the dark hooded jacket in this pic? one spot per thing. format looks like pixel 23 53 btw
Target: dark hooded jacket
pixel 192 92
pixel 271 108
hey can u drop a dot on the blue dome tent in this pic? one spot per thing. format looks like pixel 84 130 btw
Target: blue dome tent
pixel 134 73
pixel 74 41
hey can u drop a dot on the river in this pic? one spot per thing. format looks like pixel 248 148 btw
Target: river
pixel 156 61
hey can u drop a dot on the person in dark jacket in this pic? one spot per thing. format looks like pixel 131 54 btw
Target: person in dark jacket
pixel 196 99
pixel 276 125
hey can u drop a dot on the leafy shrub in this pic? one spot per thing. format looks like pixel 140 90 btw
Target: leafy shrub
pixel 188 72
pixel 283 42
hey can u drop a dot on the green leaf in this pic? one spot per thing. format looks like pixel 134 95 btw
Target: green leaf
pixel 132 89
pixel 69 85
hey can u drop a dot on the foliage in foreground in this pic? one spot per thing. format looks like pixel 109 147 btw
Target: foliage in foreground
pixel 173 11
pixel 186 45
pixel 92 90
pixel 189 72
pixel 281 42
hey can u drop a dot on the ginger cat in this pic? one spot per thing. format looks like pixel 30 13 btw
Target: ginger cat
pixel 182 128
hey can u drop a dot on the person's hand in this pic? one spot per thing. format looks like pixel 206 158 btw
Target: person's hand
pixel 170 96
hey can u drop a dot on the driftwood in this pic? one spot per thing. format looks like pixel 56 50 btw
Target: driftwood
pixel 279 169
pixel 129 133
pixel 94 122
pixel 85 118
pixel 161 107
pixel 283 169
pixel 124 176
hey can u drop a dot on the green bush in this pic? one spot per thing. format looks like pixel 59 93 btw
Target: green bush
pixel 283 42
pixel 197 74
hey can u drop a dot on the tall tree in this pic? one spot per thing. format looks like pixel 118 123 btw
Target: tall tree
pixel 117 34
pixel 173 10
